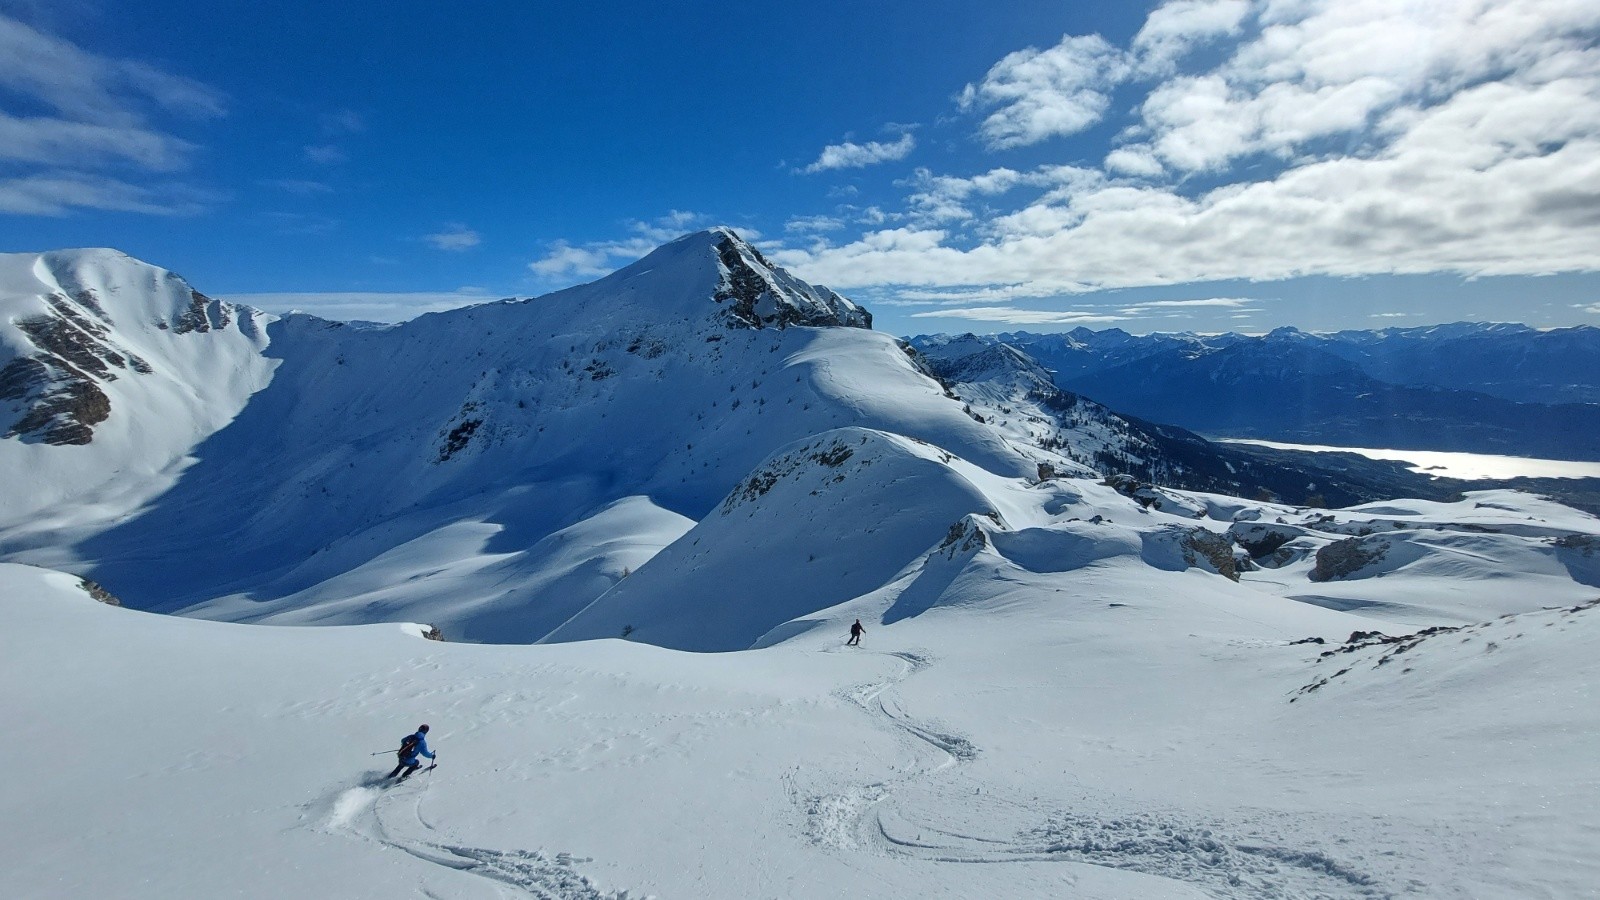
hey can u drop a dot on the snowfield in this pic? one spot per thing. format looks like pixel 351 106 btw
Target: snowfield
pixel 643 513
pixel 1126 732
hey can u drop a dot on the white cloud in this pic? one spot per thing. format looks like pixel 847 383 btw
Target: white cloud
pixel 1174 29
pixel 813 224
pixel 854 156
pixel 1228 302
pixel 675 224
pixel 371 306
pixel 943 198
pixel 1342 137
pixel 83 122
pixel 1137 160
pixel 1591 308
pixel 58 193
pixel 1320 69
pixel 1012 316
pixel 1038 94
pixel 59 142
pixel 563 260
pixel 1002 293
pixel 83 87
pixel 454 237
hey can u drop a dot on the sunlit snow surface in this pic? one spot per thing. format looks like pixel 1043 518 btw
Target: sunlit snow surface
pixel 1446 464
pixel 1060 692
pixel 1119 731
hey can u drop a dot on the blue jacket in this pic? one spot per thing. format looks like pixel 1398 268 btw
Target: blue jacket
pixel 420 747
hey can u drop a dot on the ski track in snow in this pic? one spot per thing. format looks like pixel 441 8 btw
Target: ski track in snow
pixel 357 812
pixel 1225 861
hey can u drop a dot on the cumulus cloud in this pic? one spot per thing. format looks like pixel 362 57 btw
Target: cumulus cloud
pixel 1315 137
pixel 564 261
pixel 944 198
pixel 664 228
pixel 1171 31
pixel 1038 94
pixel 855 156
pixel 1320 69
pixel 455 236
pixel 1138 160
pixel 82 122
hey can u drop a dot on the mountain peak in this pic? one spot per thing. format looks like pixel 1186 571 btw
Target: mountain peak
pixel 748 289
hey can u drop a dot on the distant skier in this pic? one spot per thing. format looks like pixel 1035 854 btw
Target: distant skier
pixel 855 635
pixel 411 747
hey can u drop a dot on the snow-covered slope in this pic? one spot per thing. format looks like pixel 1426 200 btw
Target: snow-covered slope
pixel 1060 709
pixel 444 469
pixel 111 372
pixel 698 450
pixel 823 521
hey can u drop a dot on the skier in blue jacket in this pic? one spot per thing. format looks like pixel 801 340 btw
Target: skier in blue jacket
pixel 413 746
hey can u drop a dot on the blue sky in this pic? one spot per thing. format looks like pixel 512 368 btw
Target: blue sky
pixel 1004 165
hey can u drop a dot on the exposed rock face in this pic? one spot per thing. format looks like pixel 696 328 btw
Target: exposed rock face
pixel 760 295
pixel 1341 559
pixel 1201 543
pixel 203 315
pixel 831 453
pixel 68 347
pixel 59 388
pixel 1262 539
pixel 99 593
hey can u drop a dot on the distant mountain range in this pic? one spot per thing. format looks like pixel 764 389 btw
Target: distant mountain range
pixel 1485 388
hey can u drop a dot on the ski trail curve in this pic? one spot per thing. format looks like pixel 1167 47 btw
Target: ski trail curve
pixel 854 819
pixel 359 813
pixel 1227 861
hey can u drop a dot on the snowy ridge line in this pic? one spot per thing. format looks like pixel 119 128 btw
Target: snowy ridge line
pixel 1247 866
pixel 354 812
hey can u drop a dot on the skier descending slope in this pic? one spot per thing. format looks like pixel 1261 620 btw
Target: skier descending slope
pixel 855 634
pixel 411 747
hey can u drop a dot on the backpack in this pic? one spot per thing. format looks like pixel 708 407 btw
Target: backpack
pixel 408 747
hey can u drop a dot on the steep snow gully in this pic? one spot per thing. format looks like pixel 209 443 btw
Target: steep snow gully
pixel 383 814
pixel 891 817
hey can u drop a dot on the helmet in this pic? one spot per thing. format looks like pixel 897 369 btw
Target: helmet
pixel 422 728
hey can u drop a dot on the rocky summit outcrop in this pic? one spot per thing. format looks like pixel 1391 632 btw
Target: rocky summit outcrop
pixel 758 294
